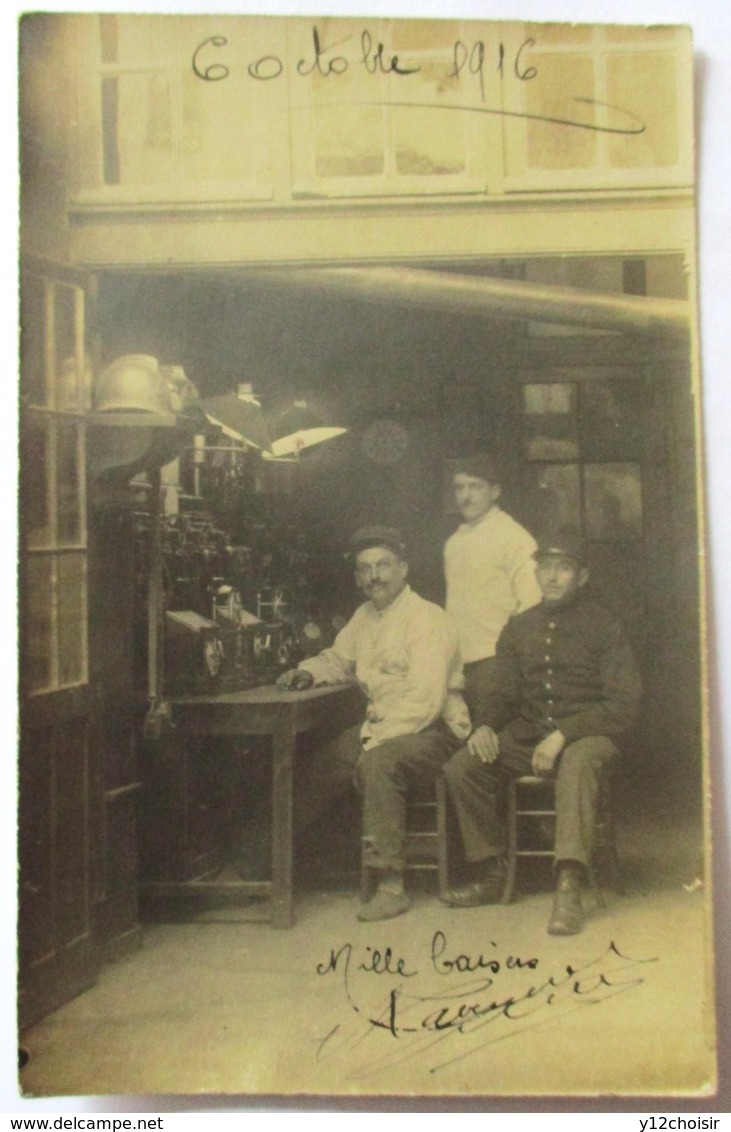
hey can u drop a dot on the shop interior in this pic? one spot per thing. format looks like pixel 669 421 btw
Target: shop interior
pixel 593 421
pixel 572 413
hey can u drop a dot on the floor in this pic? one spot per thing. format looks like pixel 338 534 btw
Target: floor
pixel 438 1002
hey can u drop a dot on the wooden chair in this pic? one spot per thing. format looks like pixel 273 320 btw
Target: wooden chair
pixel 427 837
pixel 531 817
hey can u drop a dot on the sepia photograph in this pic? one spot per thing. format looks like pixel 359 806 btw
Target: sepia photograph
pixel 365 737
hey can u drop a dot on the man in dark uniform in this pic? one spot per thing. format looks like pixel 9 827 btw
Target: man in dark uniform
pixel 566 687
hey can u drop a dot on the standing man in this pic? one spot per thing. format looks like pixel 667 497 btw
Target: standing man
pixel 403 652
pixel 566 687
pixel 490 571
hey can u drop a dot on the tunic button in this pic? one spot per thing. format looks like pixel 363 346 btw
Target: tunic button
pixel 551 624
pixel 549 672
pixel 548 686
pixel 548 640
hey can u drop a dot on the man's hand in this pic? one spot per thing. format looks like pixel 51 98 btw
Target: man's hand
pixel 294 680
pixel 483 744
pixel 546 753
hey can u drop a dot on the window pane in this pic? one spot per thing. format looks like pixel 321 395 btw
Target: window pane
pixel 429 142
pixel 65 341
pixel 142 124
pixel 38 610
pixel 559 35
pixel 613 502
pixel 612 413
pixel 110 138
pixel 423 35
pixel 35 507
pixel 652 78
pixel 208 152
pixel 348 124
pixel 561 81
pixel 33 384
pixel 73 395
pixel 109 38
pixel 143 40
pixel 68 485
pixel 71 619
pixel 549 422
pixel 640 36
pixel 552 500
pixel 349 141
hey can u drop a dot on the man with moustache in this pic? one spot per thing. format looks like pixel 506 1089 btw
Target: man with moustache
pixel 566 687
pixel 403 652
pixel 489 570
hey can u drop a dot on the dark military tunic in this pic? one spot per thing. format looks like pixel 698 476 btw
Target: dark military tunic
pixel 564 668
pixel 567 668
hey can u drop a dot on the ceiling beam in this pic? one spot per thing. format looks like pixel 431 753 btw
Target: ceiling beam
pixel 492 298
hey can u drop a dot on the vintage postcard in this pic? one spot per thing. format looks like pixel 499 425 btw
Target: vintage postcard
pixel 286 279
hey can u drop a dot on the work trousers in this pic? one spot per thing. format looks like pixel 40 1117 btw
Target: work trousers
pixel 386 776
pixel 477 791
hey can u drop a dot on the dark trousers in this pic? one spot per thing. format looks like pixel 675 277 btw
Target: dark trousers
pixel 386 776
pixel 476 790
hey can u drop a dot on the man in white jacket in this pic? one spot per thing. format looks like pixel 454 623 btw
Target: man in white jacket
pixel 490 571
pixel 403 652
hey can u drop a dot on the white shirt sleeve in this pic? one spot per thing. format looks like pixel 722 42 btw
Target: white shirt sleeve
pixel 336 665
pixel 522 571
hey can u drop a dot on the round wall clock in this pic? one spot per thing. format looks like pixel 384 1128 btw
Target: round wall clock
pixel 385 441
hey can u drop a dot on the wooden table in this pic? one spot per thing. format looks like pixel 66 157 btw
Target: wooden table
pixel 265 711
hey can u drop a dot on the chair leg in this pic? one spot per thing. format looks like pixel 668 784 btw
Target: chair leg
pixel 603 869
pixel 606 860
pixel 440 858
pixel 512 834
pixel 442 838
pixel 366 883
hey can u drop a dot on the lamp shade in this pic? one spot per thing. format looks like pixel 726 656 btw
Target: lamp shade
pixel 240 417
pixel 296 428
pixel 291 446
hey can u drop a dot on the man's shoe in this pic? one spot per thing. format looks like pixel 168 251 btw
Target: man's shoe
pixel 488 889
pixel 567 915
pixel 384 906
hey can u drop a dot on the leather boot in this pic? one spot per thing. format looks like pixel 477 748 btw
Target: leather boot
pixel 486 887
pixel 567 916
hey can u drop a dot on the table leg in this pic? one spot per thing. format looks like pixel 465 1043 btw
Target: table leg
pixel 283 744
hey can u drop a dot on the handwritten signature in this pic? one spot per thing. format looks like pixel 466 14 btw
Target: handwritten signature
pixel 442 1017
pixel 471 58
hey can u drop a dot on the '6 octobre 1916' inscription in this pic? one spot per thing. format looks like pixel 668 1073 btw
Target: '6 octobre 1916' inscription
pixel 211 63
pixel 329 60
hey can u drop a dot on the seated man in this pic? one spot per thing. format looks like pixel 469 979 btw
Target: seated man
pixel 403 652
pixel 566 686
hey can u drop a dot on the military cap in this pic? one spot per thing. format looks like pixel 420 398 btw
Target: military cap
pixel 562 546
pixel 480 465
pixel 376 535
